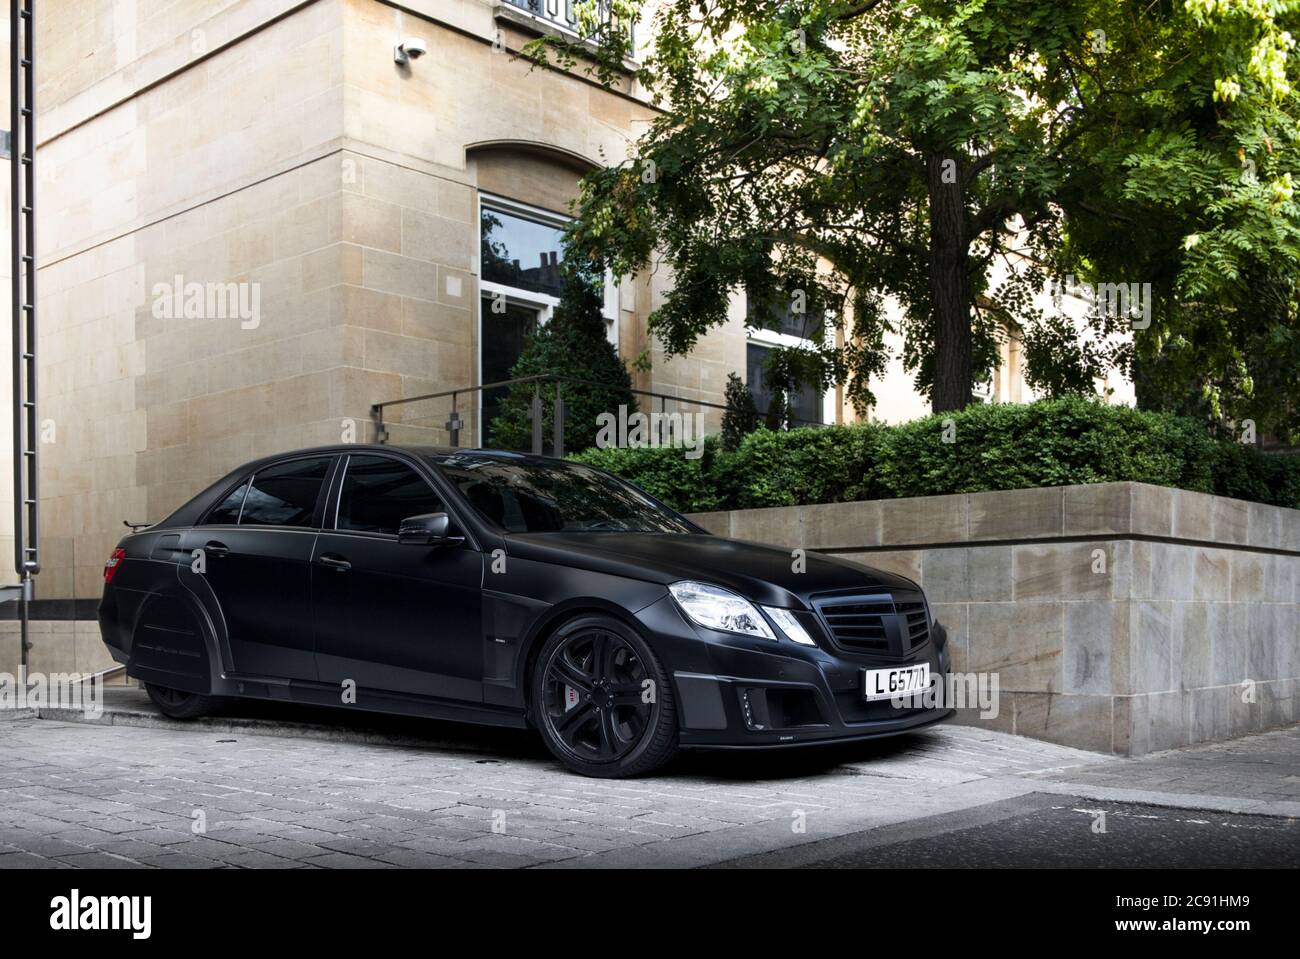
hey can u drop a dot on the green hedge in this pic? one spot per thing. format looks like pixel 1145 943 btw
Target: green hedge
pixel 997 446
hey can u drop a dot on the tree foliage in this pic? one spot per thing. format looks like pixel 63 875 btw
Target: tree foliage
pixel 954 155
pixel 740 418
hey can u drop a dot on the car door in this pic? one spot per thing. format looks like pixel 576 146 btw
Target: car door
pixel 255 563
pixel 392 617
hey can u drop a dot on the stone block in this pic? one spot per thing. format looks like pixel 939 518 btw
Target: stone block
pixel 1016 514
pixel 1211 579
pixel 1230 520
pixel 989 572
pixel 1193 516
pixel 1246 573
pixel 903 562
pixel 719 524
pixel 1173 567
pixel 775 526
pixel 1152 510
pixel 1131 735
pixel 945 575
pixel 1194 626
pixel 1096 637
pixel 1084 722
pixel 1097 509
pixel 1168 720
pixel 1055 572
pixel 924 520
pixel 954 618
pixel 842 525
pixel 1022 642
pixel 1152 647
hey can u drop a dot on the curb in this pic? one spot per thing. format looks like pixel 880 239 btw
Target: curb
pixel 260 727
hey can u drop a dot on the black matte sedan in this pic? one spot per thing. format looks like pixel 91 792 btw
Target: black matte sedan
pixel 491 587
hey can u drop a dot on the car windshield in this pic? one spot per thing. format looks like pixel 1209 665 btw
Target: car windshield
pixel 532 497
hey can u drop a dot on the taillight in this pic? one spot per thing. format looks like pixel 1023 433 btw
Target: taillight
pixel 114 561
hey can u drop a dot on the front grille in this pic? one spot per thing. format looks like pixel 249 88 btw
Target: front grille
pixel 883 623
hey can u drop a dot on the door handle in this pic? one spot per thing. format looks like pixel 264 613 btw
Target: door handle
pixel 334 561
pixel 213 548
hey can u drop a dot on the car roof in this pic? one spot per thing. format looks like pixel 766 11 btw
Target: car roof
pixel 435 454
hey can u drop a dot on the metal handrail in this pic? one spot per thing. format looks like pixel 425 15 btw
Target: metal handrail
pixel 454 422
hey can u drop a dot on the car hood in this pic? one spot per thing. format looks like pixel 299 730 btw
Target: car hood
pixel 759 572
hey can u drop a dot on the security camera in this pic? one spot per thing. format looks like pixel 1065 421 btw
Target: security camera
pixel 412 48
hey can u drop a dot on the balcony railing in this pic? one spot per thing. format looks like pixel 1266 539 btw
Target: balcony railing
pixel 557 12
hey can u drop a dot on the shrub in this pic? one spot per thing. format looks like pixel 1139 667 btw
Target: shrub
pixel 1060 442
pixel 665 473
pixel 740 418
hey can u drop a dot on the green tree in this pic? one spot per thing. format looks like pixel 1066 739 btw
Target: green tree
pixel 845 150
pixel 574 347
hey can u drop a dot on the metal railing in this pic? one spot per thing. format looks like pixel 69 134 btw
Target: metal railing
pixel 475 417
pixel 559 12
pixel 456 422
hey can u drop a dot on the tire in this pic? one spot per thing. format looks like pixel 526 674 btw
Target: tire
pixel 178 704
pixel 588 692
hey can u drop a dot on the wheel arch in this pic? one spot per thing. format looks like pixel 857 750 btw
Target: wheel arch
pixel 556 617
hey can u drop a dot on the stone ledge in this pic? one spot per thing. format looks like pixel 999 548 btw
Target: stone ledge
pixel 1103 510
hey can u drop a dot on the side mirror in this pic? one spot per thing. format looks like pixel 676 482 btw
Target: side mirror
pixel 428 529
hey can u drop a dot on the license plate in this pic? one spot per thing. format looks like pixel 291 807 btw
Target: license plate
pixel 898 681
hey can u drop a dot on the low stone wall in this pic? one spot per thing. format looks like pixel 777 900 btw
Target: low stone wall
pixel 1120 617
pixel 58 646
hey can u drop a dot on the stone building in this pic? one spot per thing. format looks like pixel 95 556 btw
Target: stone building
pixel 255 224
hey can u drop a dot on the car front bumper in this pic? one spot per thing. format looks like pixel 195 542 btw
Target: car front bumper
pixel 738 692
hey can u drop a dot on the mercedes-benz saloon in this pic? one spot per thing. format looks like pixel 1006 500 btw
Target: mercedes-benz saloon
pixel 513 590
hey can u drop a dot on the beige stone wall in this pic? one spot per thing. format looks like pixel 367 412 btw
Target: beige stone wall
pixel 275 144
pixel 1119 617
pixel 226 172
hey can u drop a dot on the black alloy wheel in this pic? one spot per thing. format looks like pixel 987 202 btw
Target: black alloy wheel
pixel 602 701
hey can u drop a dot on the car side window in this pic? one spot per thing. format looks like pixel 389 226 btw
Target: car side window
pixel 378 493
pixel 226 512
pixel 285 494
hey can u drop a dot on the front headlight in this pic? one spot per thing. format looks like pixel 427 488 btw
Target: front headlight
pixel 716 608
pixel 789 625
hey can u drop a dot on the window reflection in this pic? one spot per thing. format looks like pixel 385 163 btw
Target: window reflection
pixel 521 253
pixel 523 497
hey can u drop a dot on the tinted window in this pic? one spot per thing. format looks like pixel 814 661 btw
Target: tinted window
pixel 531 497
pixel 285 494
pixel 378 493
pixel 227 510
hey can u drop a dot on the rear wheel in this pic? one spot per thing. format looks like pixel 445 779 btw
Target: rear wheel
pixel 601 700
pixel 178 704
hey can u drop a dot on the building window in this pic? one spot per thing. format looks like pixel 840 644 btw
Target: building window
pixel 806 403
pixel 520 252
pixel 809 404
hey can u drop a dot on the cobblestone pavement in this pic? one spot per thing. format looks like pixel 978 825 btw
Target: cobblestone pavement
pixel 75 794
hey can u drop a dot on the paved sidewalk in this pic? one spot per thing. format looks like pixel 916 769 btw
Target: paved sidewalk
pixel 121 795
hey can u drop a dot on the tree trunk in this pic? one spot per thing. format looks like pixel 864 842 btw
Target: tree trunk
pixel 950 289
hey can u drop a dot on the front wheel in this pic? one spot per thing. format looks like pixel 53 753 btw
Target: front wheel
pixel 601 700
pixel 178 704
